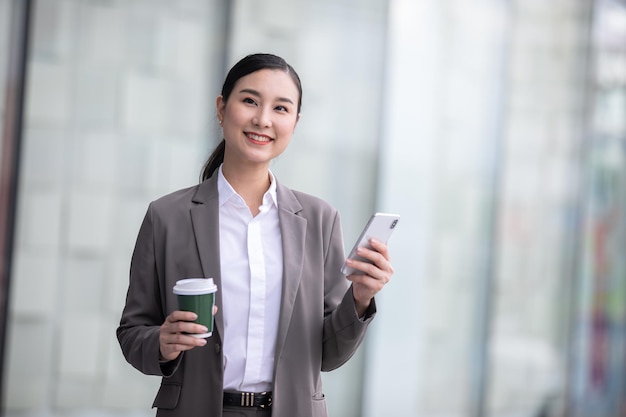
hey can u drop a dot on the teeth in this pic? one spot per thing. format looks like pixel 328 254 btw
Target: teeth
pixel 258 138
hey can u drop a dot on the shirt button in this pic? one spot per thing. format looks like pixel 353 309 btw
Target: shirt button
pixel 217 348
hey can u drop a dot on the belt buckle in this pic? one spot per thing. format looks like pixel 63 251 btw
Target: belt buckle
pixel 269 402
pixel 247 399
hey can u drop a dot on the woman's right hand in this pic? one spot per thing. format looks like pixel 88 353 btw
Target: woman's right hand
pixel 172 339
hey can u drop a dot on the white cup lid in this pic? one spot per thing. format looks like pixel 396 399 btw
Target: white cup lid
pixel 195 286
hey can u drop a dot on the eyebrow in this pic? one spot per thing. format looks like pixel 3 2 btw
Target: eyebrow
pixel 257 94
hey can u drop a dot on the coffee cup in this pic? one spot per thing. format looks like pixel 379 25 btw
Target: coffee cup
pixel 197 295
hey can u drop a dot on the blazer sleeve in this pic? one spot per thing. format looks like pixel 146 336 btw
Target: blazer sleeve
pixel 138 331
pixel 343 331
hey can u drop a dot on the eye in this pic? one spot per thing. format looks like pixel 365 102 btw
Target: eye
pixel 281 108
pixel 249 100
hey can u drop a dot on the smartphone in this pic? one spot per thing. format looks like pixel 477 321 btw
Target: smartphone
pixel 380 226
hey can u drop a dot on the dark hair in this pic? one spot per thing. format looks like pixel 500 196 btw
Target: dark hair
pixel 246 66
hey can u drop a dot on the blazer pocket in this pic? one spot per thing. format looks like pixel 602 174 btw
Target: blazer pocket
pixel 168 395
pixel 319 405
pixel 319 396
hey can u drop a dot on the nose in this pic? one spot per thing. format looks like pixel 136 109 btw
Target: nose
pixel 262 118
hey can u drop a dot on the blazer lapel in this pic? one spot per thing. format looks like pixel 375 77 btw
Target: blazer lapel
pixel 293 230
pixel 205 222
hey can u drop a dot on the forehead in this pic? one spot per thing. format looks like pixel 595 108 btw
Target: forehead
pixel 269 83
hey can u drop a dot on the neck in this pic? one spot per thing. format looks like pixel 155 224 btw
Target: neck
pixel 250 183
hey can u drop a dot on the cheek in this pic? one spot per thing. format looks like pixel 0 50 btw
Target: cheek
pixel 288 127
pixel 236 117
pixel 285 133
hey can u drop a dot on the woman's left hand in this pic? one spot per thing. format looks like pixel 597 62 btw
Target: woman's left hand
pixel 375 275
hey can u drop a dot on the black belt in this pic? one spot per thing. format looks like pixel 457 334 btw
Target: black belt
pixel 248 399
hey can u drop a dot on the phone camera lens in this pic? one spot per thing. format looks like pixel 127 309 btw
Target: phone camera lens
pixel 393 224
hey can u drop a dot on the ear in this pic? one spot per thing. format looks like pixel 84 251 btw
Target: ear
pixel 219 106
pixel 297 120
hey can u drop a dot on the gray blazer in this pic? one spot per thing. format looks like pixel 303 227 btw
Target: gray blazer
pixel 318 326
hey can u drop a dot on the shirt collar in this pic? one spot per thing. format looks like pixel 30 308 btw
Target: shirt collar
pixel 272 189
pixel 226 192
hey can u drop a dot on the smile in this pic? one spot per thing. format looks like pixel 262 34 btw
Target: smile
pixel 258 138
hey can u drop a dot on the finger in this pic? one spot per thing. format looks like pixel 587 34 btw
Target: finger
pixel 214 310
pixel 181 339
pixel 170 351
pixel 185 327
pixel 380 259
pixel 182 322
pixel 373 256
pixel 371 272
pixel 371 284
pixel 379 271
pixel 365 268
pixel 380 247
pixel 171 343
pixel 179 315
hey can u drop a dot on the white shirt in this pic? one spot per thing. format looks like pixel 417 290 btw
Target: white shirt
pixel 251 258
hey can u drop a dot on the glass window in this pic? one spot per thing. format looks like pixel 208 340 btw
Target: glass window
pixel 599 344
pixel 119 107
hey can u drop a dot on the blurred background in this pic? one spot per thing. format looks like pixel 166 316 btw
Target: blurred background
pixel 496 128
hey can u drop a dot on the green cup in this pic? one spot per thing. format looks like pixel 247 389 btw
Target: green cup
pixel 197 295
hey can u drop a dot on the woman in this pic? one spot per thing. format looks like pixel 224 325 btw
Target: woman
pixel 286 312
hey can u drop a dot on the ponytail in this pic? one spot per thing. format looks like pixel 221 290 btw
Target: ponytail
pixel 214 161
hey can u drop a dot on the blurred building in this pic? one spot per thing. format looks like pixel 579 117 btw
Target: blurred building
pixel 496 128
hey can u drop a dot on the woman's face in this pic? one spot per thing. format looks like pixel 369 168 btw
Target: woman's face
pixel 259 117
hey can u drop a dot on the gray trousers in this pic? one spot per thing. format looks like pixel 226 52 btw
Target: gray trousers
pixel 245 412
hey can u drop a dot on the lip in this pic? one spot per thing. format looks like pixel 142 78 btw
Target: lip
pixel 258 138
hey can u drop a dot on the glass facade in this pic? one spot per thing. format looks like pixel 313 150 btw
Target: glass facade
pixel 118 111
pixel 497 130
pixel 599 366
